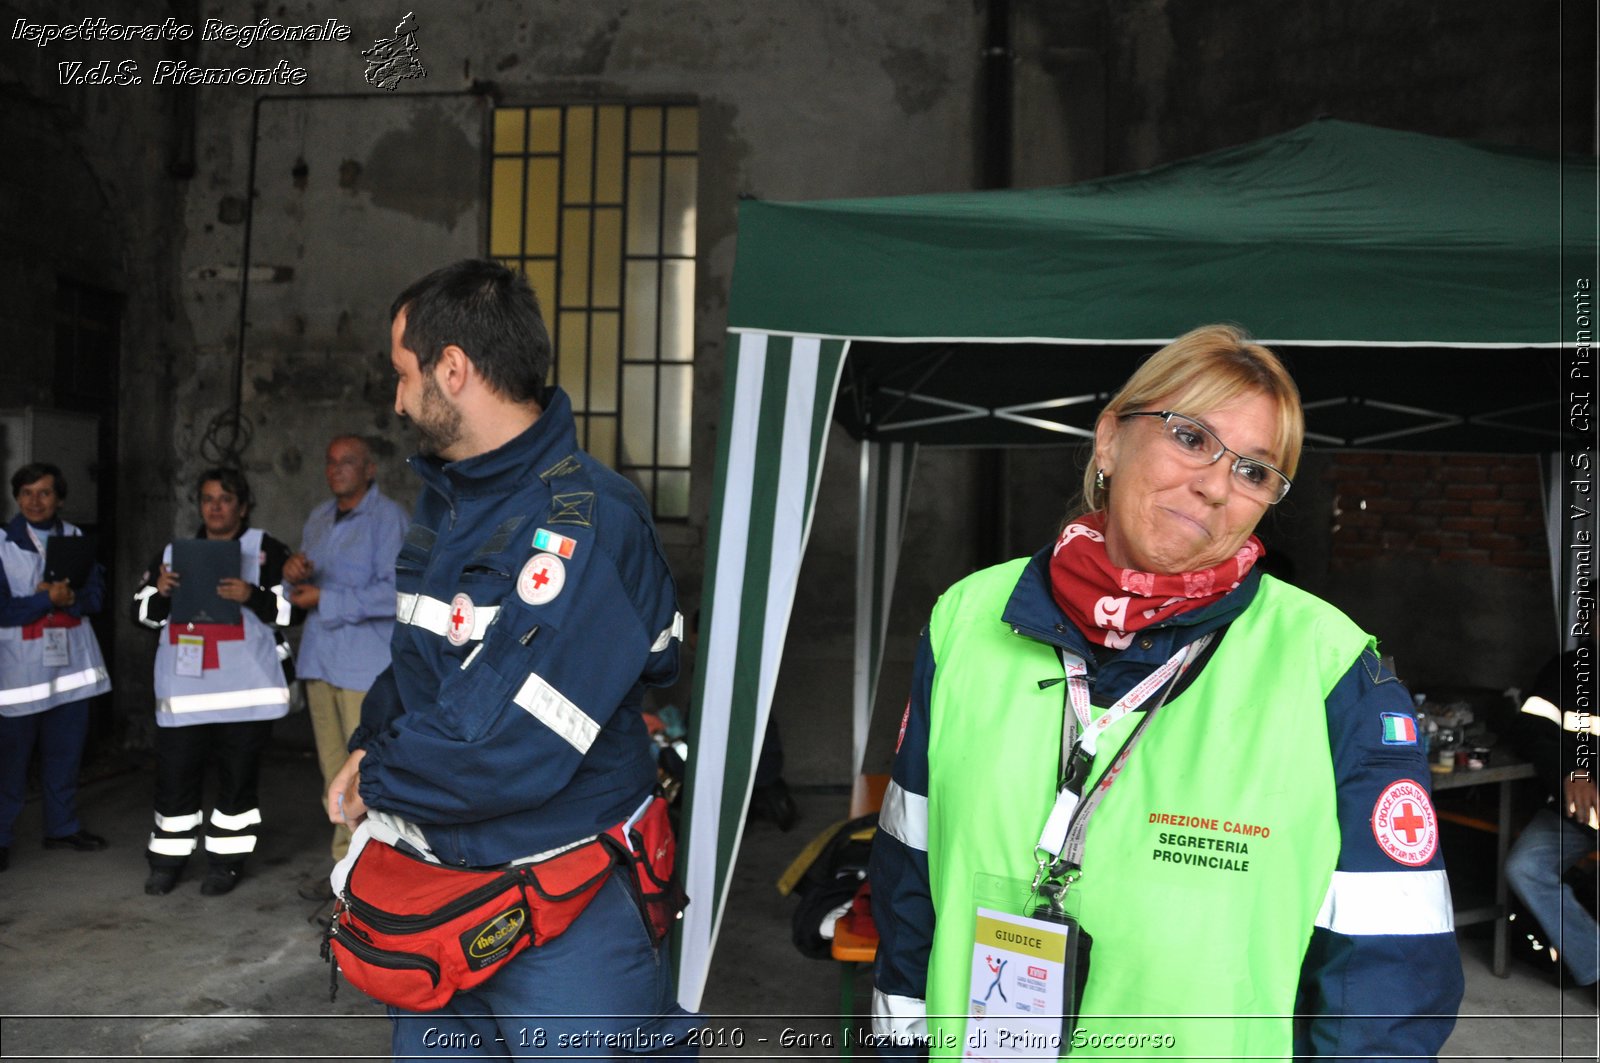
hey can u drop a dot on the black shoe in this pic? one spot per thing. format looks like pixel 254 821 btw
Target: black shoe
pixel 5 857
pixel 161 880
pixel 80 840
pixel 219 880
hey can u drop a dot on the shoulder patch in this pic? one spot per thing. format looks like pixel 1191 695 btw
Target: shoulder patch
pixel 1377 670
pixel 565 467
pixel 541 579
pixel 1399 729
pixel 575 507
pixel 1404 823
pixel 548 541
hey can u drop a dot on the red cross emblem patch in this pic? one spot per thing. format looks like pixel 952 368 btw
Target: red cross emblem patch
pixel 541 579
pixel 460 629
pixel 1404 823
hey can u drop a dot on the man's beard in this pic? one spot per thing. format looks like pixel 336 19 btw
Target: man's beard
pixel 438 422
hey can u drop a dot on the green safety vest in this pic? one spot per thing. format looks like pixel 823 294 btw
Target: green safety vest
pixel 1207 861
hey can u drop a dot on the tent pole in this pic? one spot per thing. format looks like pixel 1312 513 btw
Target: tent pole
pixel 867 576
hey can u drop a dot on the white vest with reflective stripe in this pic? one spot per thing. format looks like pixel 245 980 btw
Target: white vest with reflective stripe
pixel 27 684
pixel 248 682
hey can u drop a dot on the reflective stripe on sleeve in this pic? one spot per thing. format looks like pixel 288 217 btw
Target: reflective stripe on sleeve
pixel 284 606
pixel 547 705
pixel 1569 721
pixel 905 816
pixel 179 704
pixel 673 631
pixel 142 596
pixel 1367 903
pixel 430 614
pixel 899 1019
pixel 178 824
pixel 223 821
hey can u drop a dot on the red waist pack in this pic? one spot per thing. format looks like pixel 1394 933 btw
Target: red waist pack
pixel 646 845
pixel 411 933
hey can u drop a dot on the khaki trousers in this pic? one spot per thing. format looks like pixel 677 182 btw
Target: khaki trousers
pixel 335 713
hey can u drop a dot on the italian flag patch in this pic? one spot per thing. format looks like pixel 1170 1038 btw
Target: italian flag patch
pixel 547 540
pixel 1399 729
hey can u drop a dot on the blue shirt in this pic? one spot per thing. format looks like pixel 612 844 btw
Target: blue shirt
pixel 346 640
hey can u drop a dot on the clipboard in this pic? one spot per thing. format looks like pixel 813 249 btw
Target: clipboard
pixel 70 558
pixel 200 564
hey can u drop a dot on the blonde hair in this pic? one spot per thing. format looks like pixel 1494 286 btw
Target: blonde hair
pixel 1203 369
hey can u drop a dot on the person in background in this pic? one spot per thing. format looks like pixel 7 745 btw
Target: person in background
pixel 1561 742
pixel 1206 766
pixel 50 665
pixel 343 578
pixel 223 715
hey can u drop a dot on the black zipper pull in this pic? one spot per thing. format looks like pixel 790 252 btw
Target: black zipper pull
pixel 333 964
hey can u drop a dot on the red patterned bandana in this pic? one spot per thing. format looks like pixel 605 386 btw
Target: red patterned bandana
pixel 1109 603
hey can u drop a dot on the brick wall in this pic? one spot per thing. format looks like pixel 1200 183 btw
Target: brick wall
pixel 1478 508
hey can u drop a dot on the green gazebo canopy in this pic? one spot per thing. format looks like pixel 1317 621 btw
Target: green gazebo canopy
pixel 1419 288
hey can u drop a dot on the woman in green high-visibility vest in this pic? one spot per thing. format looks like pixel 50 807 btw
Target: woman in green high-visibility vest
pixel 1205 767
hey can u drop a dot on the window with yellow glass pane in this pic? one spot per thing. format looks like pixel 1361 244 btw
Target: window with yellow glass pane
pixel 596 204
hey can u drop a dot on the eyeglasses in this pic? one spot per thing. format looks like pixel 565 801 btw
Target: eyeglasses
pixel 1200 445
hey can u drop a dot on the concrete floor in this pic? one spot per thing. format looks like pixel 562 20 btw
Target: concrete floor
pixel 91 968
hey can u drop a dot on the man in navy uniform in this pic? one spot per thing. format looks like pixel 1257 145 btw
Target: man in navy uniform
pixel 534 607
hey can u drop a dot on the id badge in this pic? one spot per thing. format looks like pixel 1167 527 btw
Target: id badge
pixel 1020 999
pixel 56 651
pixel 191 656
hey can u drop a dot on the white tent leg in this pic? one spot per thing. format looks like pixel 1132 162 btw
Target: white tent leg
pixel 884 489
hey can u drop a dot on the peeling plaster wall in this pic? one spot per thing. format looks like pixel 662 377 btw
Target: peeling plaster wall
pixel 359 191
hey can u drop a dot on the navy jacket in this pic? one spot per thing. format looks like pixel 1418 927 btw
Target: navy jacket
pixel 534 607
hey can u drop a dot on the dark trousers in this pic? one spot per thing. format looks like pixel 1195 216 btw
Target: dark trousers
pixel 182 754
pixel 59 733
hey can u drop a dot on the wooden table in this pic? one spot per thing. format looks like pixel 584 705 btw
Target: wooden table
pixel 1504 775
